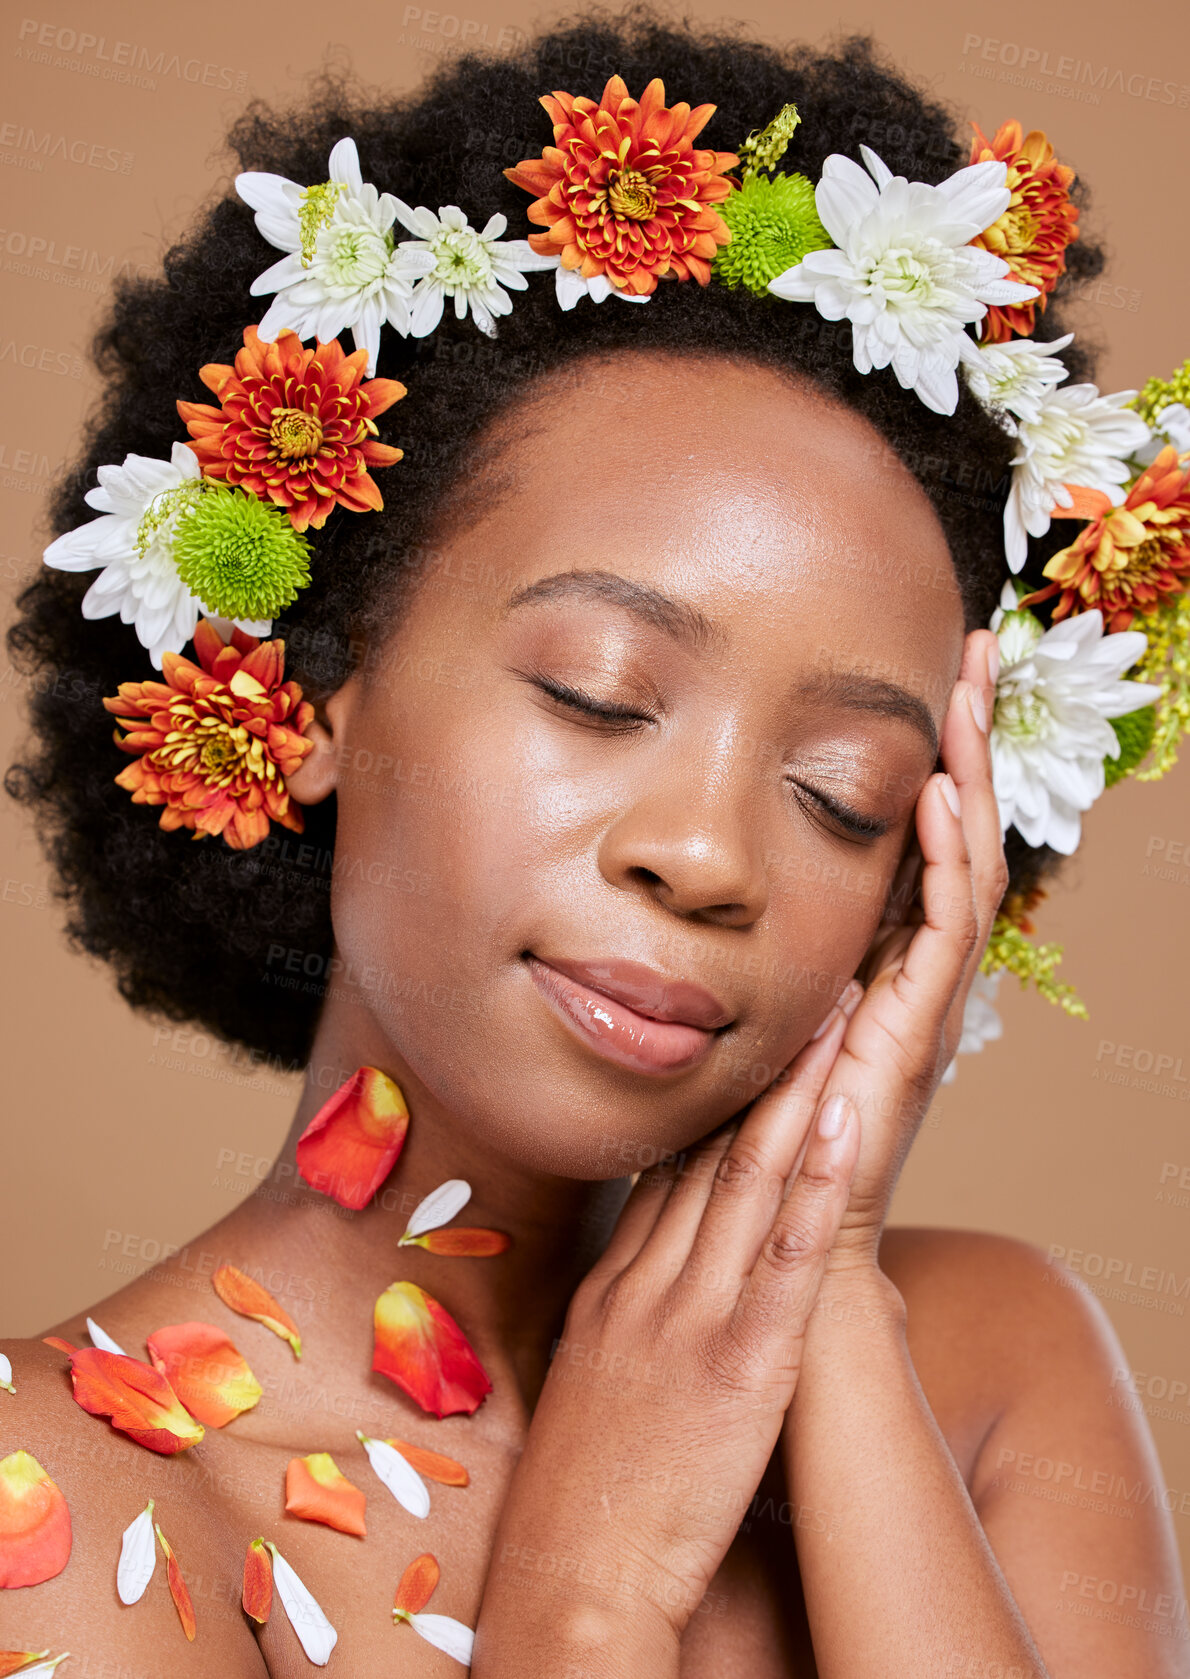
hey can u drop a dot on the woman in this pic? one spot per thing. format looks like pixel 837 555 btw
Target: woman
pixel 642 751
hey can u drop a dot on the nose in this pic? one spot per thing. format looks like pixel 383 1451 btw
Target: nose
pixel 690 840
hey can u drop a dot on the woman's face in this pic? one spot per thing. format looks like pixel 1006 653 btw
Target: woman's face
pixel 621 799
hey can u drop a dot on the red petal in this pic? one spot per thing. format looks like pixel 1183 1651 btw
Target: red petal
pixel 257 1595
pixel 459 1241
pixel 317 1491
pixel 349 1147
pixel 34 1524
pixel 138 1399
pixel 177 1588
pixel 434 1466
pixel 209 1376
pixel 417 1585
pixel 419 1346
pixel 252 1300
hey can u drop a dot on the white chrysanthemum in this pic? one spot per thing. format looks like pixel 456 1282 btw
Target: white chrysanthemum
pixel 342 268
pixel 570 286
pixel 981 1024
pixel 1171 425
pixel 471 267
pixel 904 272
pixel 140 503
pixel 1012 379
pixel 1076 437
pixel 1050 731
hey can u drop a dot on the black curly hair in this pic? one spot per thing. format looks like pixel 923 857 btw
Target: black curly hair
pixel 187 926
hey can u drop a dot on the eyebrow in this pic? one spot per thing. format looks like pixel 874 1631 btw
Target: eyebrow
pixel 858 692
pixel 677 618
pixel 687 624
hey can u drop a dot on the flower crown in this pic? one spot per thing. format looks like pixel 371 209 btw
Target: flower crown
pixel 934 280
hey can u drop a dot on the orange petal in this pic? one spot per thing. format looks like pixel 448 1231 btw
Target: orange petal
pixel 349 1147
pixel 478 1244
pixel 257 1595
pixel 11 1661
pixel 418 1345
pixel 34 1523
pixel 252 1300
pixel 316 1490
pixel 138 1399
pixel 416 1585
pixel 206 1372
pixel 433 1465
pixel 177 1588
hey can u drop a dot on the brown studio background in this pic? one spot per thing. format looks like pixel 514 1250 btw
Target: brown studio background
pixel 123 1135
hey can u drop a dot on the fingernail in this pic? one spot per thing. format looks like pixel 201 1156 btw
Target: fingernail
pixel 994 662
pixel 833 1117
pixel 850 999
pixel 950 793
pixel 825 1025
pixel 978 709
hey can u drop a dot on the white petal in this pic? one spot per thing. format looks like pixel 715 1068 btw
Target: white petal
pixel 316 1635
pixel 283 273
pixel 6 1373
pixel 138 1552
pixel 398 1475
pixel 876 166
pixel 344 164
pixel 439 1207
pixel 446 1634
pixel 428 299
pixel 101 1338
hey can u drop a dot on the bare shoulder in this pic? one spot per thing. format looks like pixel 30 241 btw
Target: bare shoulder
pixel 106 1480
pixel 1031 1387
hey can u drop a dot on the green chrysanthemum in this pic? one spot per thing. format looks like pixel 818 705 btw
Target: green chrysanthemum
pixel 1157 394
pixel 241 557
pixel 1134 731
pixel 773 224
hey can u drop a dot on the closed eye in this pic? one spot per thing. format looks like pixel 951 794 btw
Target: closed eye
pixel 858 825
pixel 622 719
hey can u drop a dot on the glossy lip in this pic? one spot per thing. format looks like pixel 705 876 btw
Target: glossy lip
pixel 629 1013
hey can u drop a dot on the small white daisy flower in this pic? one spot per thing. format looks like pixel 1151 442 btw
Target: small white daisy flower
pixel 341 268
pixel 1013 379
pixel 132 546
pixel 904 271
pixel 470 267
pixel 1050 732
pixel 1076 437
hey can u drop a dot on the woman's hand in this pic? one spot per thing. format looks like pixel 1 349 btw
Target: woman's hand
pixel 666 1394
pixel 904 1033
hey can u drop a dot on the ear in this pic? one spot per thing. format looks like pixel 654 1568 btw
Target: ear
pixel 317 776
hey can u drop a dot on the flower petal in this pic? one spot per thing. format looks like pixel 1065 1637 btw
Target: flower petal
pixel 177 1588
pixel 419 1346
pixel 101 1338
pixel 433 1465
pixel 317 1491
pixel 401 1479
pixel 6 1373
pixel 257 1593
pixel 138 1557
pixel 35 1528
pixel 446 1634
pixel 416 1585
pixel 316 1635
pixel 464 1241
pixel 207 1373
pixel 438 1207
pixel 252 1300
pixel 349 1147
pixel 137 1399
pixel 16 1661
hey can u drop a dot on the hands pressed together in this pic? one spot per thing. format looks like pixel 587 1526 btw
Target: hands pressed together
pixel 683 1346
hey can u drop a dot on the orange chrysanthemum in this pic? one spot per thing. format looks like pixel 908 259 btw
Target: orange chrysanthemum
pixel 622 191
pixel 1033 233
pixel 215 741
pixel 297 427
pixel 1128 558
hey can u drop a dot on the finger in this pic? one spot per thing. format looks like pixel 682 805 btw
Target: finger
pixel 638 1216
pixel 783 1286
pixel 746 1190
pixel 966 754
pixel 672 1232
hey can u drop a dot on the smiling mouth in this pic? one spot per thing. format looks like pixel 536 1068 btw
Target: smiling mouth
pixel 629 1014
